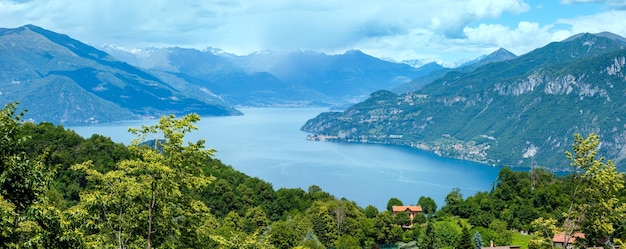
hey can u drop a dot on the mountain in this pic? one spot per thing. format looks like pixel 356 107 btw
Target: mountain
pixel 419 82
pixel 417 63
pixel 515 112
pixel 272 78
pixel 61 80
pixel 499 55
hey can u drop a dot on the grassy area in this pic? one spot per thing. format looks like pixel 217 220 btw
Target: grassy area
pixel 521 240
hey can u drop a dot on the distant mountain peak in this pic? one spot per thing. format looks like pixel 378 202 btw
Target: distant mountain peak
pixel 354 52
pixel 499 55
pixel 605 34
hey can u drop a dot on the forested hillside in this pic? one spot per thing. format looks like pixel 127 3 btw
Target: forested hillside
pixel 59 190
pixel 517 113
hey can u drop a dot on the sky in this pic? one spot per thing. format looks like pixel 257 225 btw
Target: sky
pixel 444 31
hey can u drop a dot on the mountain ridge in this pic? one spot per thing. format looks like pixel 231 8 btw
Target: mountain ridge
pixel 501 112
pixel 300 78
pixel 113 90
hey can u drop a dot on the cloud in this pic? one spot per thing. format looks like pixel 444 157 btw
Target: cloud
pixel 270 23
pixel 453 21
pixel 438 30
pixel 600 22
pixel 616 4
pixel 521 39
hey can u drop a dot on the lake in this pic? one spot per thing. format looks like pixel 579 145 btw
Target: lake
pixel 267 143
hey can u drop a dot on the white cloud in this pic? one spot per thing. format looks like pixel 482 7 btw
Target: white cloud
pixel 439 30
pixel 519 40
pixel 618 4
pixel 611 21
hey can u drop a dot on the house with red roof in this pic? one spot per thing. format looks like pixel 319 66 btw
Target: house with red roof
pixel 559 239
pixel 411 210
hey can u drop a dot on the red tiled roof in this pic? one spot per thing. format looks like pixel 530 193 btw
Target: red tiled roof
pixel 417 208
pixel 560 237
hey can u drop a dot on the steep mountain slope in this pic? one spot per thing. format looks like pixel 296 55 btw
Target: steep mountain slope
pixel 505 113
pixel 59 79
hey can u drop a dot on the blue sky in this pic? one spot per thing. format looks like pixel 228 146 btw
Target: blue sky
pixel 445 31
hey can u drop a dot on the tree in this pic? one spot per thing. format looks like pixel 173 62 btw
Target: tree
pixel 419 218
pixel 324 224
pixel 465 241
pixel 347 242
pixel 402 219
pixel 285 234
pixel 384 231
pixel 595 206
pixel 393 202
pixel 152 198
pixel 446 233
pixel 429 207
pixel 27 216
pixel 453 202
pixel 477 240
pixel 544 228
pixel 371 211
pixel 255 219
pixel 234 222
pixel 429 239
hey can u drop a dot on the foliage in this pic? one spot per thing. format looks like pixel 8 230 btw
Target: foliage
pixel 429 238
pixel 188 199
pixel 148 200
pixel 595 206
pixel 498 112
pixel 465 241
pixel 429 207
pixel 393 202
pixel 477 240
pixel 28 218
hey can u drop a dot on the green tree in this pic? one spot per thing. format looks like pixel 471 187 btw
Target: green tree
pixel 384 231
pixel 453 202
pixel 544 229
pixel 27 216
pixel 286 234
pixel 324 225
pixel 347 242
pixel 419 218
pixel 152 198
pixel 371 211
pixel 234 222
pixel 393 202
pixel 465 241
pixel 595 206
pixel 255 219
pixel 429 207
pixel 505 237
pixel 429 238
pixel 446 233
pixel 402 219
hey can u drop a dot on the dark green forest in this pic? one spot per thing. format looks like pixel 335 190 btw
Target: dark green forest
pixel 60 190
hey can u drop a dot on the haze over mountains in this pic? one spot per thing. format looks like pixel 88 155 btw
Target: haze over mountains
pixel 61 80
pixel 499 109
pixel 299 78
pixel 517 112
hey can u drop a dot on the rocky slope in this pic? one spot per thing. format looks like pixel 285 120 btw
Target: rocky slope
pixel 505 113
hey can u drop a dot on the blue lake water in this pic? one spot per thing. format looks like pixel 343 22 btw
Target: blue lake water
pixel 267 143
